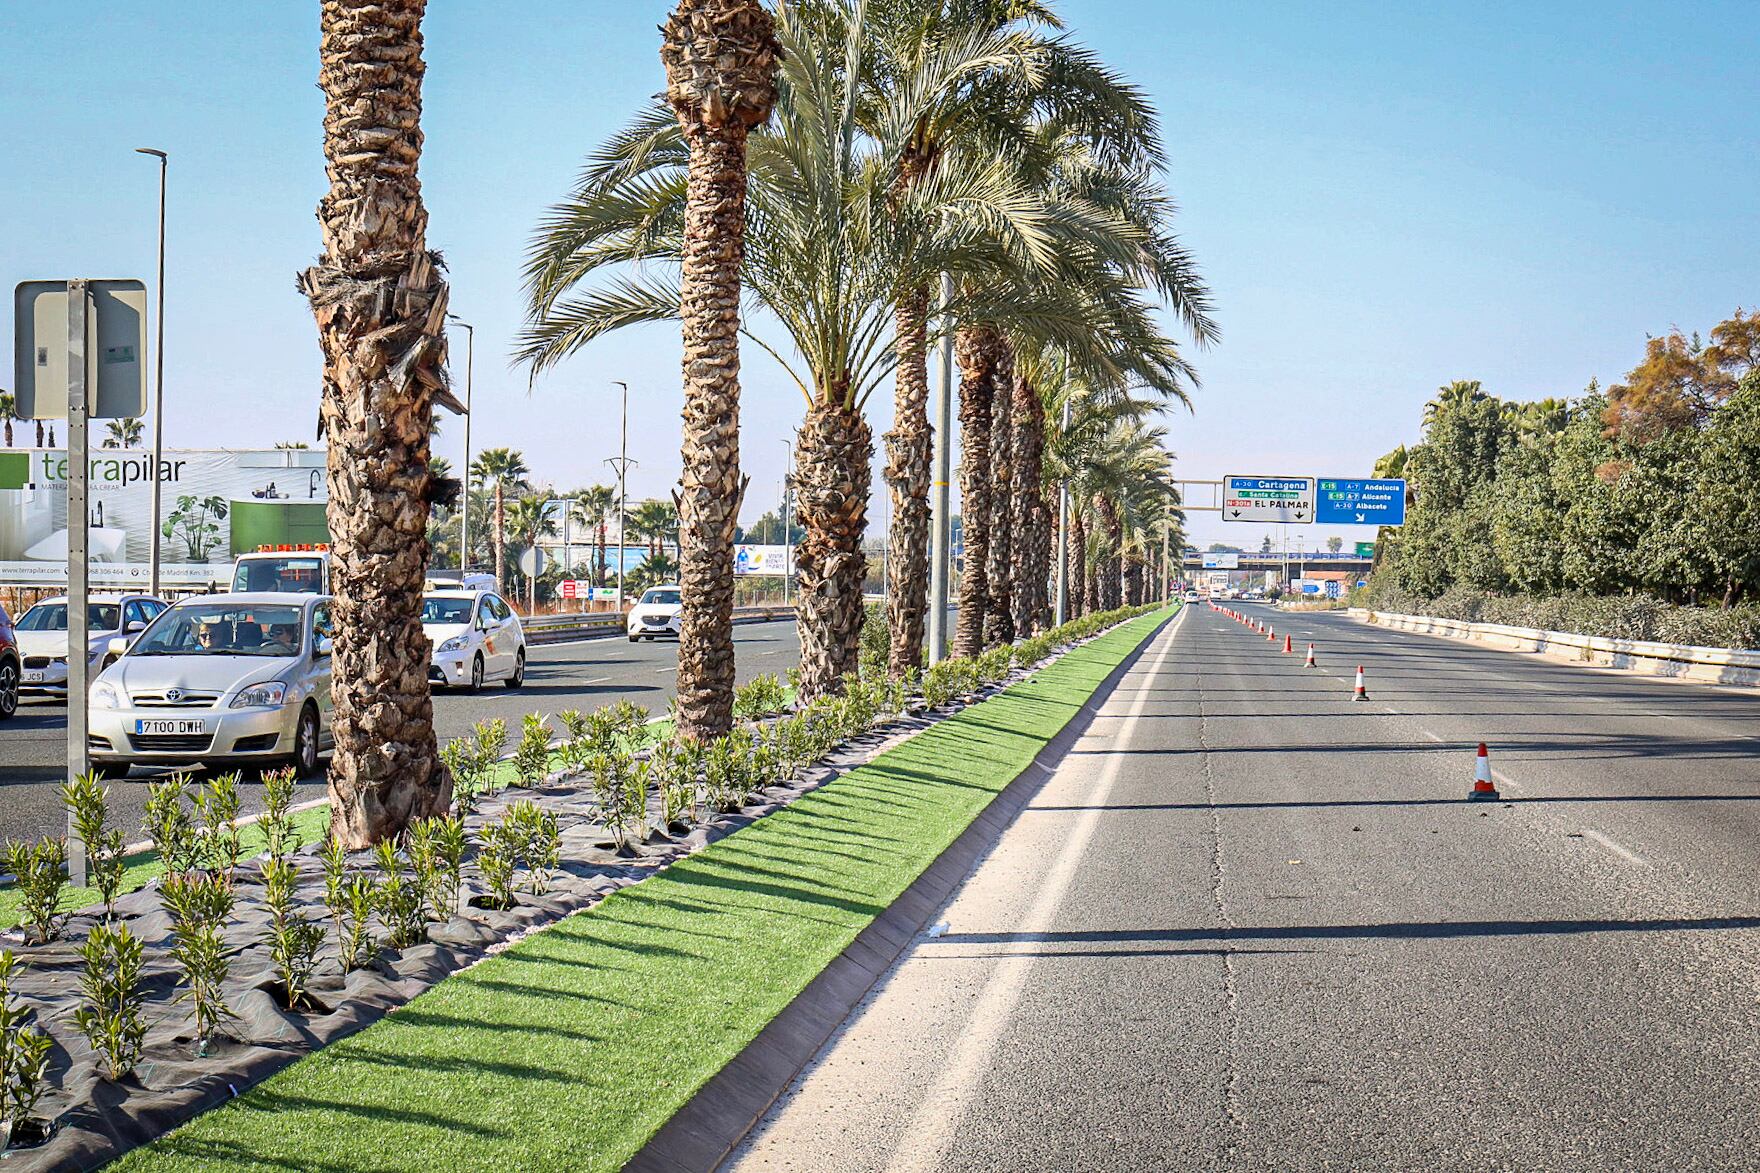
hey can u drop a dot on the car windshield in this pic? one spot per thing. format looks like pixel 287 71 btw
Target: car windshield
pixel 53 617
pixel 223 629
pixel 446 611
pixel 659 596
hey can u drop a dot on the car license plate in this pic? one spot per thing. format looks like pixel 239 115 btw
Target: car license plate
pixel 35 676
pixel 169 725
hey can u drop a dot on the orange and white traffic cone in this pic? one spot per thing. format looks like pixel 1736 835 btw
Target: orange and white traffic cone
pixel 1362 693
pixel 1311 662
pixel 1484 790
pixel 1288 647
pixel 1270 634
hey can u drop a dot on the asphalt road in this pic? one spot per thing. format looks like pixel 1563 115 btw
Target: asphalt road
pixel 583 675
pixel 1250 924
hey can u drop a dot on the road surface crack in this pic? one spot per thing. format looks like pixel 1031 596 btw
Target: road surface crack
pixel 1231 1083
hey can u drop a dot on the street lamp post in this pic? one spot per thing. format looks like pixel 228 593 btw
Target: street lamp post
pixel 940 502
pixel 464 512
pixel 622 467
pixel 158 381
pixel 787 546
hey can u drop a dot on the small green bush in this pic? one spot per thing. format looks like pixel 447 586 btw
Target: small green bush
pixel 88 802
pixel 276 822
pixel 199 906
pixel 531 758
pixel 24 1054
pixel 220 845
pixel 41 868
pixel 109 1014
pixel 166 821
pixel 292 939
pixel 398 900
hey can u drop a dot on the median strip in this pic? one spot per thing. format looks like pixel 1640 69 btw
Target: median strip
pixel 571 1048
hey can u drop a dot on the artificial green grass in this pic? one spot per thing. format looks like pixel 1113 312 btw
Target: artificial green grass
pixel 570 1049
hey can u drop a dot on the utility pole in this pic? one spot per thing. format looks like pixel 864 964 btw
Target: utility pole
pixel 158 381
pixel 622 466
pixel 464 512
pixel 1063 537
pixel 782 506
pixel 941 521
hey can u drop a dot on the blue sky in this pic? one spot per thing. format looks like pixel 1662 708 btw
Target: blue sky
pixel 1383 197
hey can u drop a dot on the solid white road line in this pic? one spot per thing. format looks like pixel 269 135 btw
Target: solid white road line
pixel 938 1117
pixel 1616 848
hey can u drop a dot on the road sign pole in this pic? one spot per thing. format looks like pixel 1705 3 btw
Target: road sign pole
pixel 78 538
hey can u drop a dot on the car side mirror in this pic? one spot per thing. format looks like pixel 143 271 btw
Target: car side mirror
pixel 133 626
pixel 322 646
pixel 118 645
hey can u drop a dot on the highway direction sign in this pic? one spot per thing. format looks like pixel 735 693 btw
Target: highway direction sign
pixel 1222 560
pixel 1352 502
pixel 1268 500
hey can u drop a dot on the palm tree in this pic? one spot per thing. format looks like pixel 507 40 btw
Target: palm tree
pixel 504 471
pixel 8 413
pixel 528 518
pixel 594 506
pixel 656 521
pixel 122 433
pixel 378 297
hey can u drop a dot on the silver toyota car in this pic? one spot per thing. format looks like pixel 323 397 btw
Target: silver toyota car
pixel 238 678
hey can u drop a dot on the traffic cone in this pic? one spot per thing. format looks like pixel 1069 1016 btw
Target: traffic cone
pixel 1270 634
pixel 1311 662
pixel 1483 789
pixel 1288 647
pixel 1362 693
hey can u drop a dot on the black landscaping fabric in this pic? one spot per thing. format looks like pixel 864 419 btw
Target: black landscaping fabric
pixel 96 1119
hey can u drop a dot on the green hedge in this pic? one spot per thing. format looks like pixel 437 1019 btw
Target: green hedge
pixel 1639 617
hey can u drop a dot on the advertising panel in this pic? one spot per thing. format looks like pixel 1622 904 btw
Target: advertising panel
pixel 217 503
pixel 767 561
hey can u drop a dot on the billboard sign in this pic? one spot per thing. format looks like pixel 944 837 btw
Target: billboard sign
pixel 763 560
pixel 218 503
pixel 1222 560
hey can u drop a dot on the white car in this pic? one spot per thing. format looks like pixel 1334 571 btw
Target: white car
pixel 656 612
pixel 476 637
pixel 42 636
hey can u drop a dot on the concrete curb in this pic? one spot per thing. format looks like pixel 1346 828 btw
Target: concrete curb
pixel 702 1133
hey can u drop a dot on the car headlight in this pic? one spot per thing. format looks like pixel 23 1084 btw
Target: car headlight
pixel 261 696
pixel 457 643
pixel 105 696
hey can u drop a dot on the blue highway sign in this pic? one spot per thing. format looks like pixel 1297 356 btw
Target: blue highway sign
pixel 1342 502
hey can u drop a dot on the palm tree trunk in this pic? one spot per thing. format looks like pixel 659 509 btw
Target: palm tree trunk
pixel 975 350
pixel 9 444
pixel 1133 581
pixel 380 303
pixel 1026 498
pixel 999 571
pixel 39 433
pixel 720 58
pixel 908 459
pixel 832 472
pixel 1108 567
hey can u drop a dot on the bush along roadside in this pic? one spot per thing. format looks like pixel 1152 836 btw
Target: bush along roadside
pixel 1634 617
pixel 247 950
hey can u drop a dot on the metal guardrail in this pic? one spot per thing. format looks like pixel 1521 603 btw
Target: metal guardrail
pixel 545 629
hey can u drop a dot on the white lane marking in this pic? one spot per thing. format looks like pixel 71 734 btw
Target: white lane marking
pixel 1616 848
pixel 772 652
pixel 938 1117
pixel 595 680
pixel 1432 736
pixel 664 671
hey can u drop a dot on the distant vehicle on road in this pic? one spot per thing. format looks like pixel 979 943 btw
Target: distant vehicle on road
pixel 305 571
pixel 1194 597
pixel 453 580
pixel 476 637
pixel 42 636
pixel 11 667
pixel 216 679
pixel 656 613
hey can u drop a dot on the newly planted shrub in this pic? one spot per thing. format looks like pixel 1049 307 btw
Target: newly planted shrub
pixel 540 843
pixel 636 781
pixel 217 806
pixel 724 769
pixel 88 802
pixel 497 856
pixel 436 850
pixel 399 899
pixel 531 758
pixel 994 664
pixel 24 1057
pixel 42 875
pixel 759 697
pixel 576 747
pixel 166 820
pixel 356 902
pixel 491 740
pixel 109 1014
pixel 673 772
pixel 276 822
pixel 939 683
pixel 199 905
pixel 629 718
pixel 292 939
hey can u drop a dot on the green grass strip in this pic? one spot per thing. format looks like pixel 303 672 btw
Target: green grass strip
pixel 569 1050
